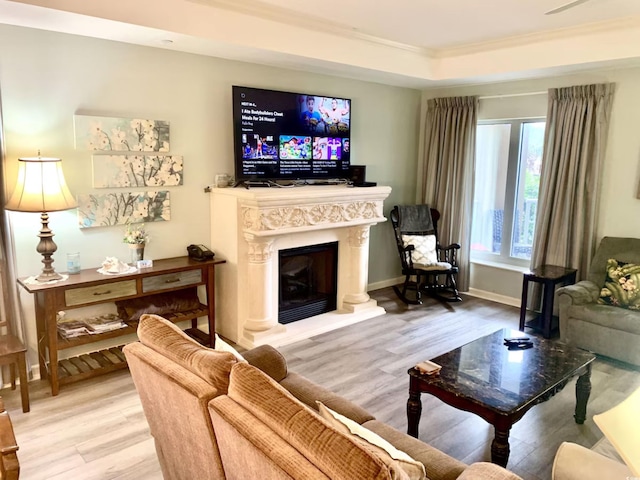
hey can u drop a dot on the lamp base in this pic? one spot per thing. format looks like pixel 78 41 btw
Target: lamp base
pixel 48 277
pixel 47 248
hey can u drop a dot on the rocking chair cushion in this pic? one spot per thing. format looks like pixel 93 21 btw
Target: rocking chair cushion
pixel 424 255
pixel 444 266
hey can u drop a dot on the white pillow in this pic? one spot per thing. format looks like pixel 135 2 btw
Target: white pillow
pixel 223 346
pixel 424 255
pixel 414 469
pixel 424 248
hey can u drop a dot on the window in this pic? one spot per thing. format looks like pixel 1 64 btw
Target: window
pixel 507 180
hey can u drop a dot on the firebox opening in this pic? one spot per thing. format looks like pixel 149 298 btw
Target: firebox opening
pixel 308 278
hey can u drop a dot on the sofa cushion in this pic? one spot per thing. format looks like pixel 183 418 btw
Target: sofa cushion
pixel 414 469
pixel 621 285
pixel 335 454
pixel 627 321
pixel 167 339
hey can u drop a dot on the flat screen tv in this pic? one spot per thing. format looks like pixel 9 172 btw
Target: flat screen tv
pixel 290 136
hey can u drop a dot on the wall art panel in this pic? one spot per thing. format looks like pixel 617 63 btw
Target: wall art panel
pixel 137 170
pixel 122 134
pixel 100 210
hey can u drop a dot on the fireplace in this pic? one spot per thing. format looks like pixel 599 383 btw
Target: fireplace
pixel 307 279
pixel 250 228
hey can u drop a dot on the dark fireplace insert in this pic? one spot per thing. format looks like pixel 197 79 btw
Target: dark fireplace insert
pixel 308 278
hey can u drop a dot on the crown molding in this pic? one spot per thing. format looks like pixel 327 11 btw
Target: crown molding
pixel 538 37
pixel 258 9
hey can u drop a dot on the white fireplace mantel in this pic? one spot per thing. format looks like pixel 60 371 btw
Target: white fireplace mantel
pixel 250 226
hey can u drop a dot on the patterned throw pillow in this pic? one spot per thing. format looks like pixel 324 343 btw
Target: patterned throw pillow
pixel 424 255
pixel 424 248
pixel 621 287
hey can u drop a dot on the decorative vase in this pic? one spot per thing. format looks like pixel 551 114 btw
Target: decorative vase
pixel 137 252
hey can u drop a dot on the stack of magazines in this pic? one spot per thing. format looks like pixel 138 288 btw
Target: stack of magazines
pixel 90 326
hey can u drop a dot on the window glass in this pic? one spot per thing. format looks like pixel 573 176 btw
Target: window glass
pixel 507 180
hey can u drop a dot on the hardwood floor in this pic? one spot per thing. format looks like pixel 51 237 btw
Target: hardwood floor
pixel 96 429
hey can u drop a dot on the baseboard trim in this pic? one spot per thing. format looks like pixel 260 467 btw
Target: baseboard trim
pixel 494 297
pixel 385 283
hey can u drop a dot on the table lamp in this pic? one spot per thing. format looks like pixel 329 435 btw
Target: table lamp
pixel 41 188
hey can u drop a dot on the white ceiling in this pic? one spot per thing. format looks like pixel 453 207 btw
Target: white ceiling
pixel 414 43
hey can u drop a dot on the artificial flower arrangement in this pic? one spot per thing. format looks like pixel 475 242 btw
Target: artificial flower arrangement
pixel 135 235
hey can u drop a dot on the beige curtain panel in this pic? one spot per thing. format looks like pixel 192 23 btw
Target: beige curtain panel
pixel 447 173
pixel 575 144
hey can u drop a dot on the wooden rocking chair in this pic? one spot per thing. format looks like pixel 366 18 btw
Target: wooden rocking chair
pixel 428 267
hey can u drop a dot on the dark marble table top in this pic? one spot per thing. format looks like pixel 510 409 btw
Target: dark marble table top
pixel 486 372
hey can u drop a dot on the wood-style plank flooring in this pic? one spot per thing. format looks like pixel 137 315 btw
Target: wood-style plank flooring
pixel 96 429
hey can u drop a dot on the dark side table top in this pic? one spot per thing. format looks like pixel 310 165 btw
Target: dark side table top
pixel 486 373
pixel 550 272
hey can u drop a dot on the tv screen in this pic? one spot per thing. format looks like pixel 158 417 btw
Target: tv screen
pixel 285 135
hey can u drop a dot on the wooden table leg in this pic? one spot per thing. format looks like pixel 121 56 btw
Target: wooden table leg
pixel 583 390
pixel 24 382
pixel 414 410
pixel 523 302
pixel 547 308
pixel 500 446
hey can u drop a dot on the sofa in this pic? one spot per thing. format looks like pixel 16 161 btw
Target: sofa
pixel 214 415
pixel 604 329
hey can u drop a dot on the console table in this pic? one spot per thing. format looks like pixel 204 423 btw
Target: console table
pixel 89 288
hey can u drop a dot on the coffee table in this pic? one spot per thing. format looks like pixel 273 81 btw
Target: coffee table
pixel 500 385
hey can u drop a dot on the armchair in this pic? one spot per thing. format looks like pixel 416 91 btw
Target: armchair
pixel 603 329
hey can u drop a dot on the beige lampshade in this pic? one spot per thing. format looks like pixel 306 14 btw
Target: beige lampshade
pixel 40 187
pixel 621 426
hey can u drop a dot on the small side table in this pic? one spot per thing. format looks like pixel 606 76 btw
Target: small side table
pixel 549 276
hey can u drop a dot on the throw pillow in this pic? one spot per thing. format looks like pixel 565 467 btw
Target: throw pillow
pixel 621 285
pixel 222 346
pixel 414 469
pixel 424 248
pixel 424 255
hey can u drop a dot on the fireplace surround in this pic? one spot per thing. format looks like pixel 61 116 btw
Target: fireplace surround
pixel 248 229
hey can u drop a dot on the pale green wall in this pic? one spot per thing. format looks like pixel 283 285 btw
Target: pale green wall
pixel 619 207
pixel 46 78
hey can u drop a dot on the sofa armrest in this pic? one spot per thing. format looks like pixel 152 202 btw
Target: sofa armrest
pixel 487 471
pixel 269 360
pixel 574 461
pixel 581 293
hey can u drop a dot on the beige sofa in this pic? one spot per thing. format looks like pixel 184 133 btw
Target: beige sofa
pixel 213 417
pixel 603 329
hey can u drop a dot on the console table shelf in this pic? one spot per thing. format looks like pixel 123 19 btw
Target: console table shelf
pixel 175 317
pixel 91 288
pixel 85 366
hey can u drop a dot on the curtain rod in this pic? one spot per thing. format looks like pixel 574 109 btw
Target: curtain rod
pixel 506 95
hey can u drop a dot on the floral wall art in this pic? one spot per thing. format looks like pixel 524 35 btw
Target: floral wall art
pixel 106 209
pixel 136 170
pixel 123 134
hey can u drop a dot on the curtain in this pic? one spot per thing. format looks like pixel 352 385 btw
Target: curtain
pixel 8 286
pixel 575 143
pixel 448 171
